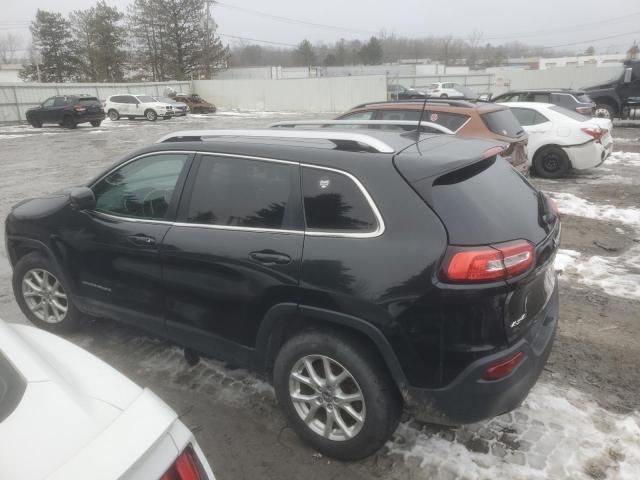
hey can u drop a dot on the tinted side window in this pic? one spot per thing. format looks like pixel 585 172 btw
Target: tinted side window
pixel 366 115
pixel 48 102
pixel 502 122
pixel 59 102
pixel 334 203
pixel 453 121
pixel 242 193
pixel 143 188
pixel 525 116
pixel 116 99
pixel 399 115
pixel 563 100
pixel 541 97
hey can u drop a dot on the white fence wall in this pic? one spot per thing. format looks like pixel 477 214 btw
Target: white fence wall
pixel 16 98
pixel 562 77
pixel 293 95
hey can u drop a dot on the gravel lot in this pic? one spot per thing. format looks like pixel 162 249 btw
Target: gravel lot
pixel 580 421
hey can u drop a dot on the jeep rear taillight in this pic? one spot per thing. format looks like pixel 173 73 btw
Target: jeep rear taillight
pixel 184 468
pixel 496 262
pixel 584 110
pixel 79 108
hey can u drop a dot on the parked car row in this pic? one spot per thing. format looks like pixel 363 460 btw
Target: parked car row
pixel 71 110
pixel 548 139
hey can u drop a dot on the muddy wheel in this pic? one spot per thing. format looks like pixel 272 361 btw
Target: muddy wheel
pixel 69 122
pixel 151 115
pixel 551 162
pixel 336 394
pixel 42 294
pixel 604 111
pixel 96 123
pixel 113 115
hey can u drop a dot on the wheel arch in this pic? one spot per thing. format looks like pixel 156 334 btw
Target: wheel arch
pixel 286 320
pixel 608 100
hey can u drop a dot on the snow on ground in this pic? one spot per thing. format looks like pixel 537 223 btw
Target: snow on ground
pixel 558 433
pixel 570 204
pixel 628 158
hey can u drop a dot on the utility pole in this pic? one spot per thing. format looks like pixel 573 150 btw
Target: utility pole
pixel 207 46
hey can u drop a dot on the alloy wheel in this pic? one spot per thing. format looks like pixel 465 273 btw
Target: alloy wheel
pixel 44 295
pixel 327 397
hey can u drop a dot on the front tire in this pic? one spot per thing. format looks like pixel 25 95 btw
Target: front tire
pixel 43 296
pixel 444 95
pixel 113 115
pixel 35 123
pixel 151 115
pixel 336 394
pixel 551 162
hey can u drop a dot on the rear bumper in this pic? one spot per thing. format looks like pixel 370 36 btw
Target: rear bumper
pixel 90 117
pixel 589 155
pixel 470 398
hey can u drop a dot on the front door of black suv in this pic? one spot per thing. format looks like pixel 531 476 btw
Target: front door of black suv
pixel 233 253
pixel 114 260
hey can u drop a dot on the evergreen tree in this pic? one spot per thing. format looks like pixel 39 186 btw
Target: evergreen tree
pixel 371 53
pixel 101 40
pixel 57 48
pixel 304 54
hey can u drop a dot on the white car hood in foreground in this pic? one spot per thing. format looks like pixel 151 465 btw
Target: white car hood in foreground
pixel 79 418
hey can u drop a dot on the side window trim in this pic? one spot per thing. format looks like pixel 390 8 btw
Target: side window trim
pixel 182 209
pixel 175 198
pixel 187 190
pixel 380 226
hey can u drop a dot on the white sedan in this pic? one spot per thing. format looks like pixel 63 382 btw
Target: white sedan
pixel 561 139
pixel 66 415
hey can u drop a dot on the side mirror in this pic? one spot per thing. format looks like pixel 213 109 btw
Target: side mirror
pixel 82 198
pixel 627 75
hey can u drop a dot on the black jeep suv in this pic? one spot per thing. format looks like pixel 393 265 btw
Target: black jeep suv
pixel 361 270
pixel 67 111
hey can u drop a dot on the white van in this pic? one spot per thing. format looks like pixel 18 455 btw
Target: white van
pixel 132 106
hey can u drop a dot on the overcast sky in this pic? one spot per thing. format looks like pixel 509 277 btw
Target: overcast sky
pixel 544 22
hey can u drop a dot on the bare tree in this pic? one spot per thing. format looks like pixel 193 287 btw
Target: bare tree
pixel 9 45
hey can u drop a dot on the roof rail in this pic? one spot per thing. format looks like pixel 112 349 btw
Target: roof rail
pixel 401 123
pixel 338 137
pixel 458 102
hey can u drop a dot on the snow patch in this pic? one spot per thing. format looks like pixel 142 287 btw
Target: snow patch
pixel 625 158
pixel 571 204
pixel 557 433
pixel 565 258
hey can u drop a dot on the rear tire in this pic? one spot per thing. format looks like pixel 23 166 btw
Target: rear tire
pixel 362 410
pixel 35 123
pixel 96 123
pixel 551 162
pixel 44 299
pixel 69 122
pixel 151 115
pixel 113 115
pixel 444 95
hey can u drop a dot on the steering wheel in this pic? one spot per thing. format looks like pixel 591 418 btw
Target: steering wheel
pixel 156 194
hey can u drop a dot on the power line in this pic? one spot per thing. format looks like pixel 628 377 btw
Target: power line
pixel 592 40
pixel 294 20
pixel 565 29
pixel 257 40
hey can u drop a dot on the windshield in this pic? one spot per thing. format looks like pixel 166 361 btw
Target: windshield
pixel 12 387
pixel 146 99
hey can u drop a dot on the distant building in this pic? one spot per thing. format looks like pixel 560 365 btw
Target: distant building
pixel 9 72
pixel 613 60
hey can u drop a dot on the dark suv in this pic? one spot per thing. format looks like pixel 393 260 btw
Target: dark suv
pixel 576 100
pixel 68 111
pixel 360 270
